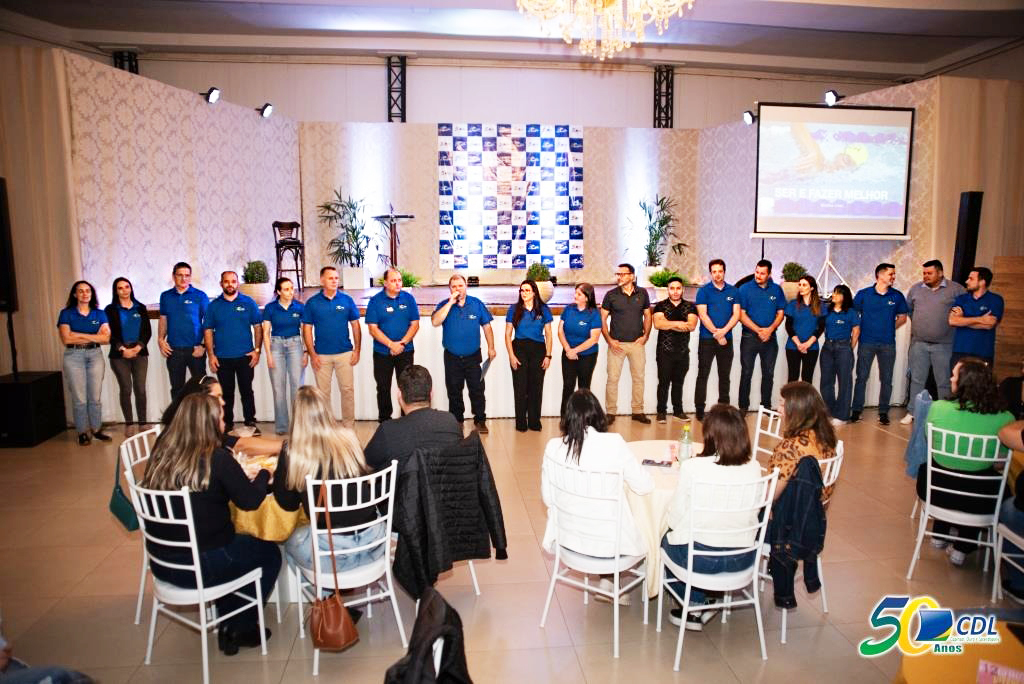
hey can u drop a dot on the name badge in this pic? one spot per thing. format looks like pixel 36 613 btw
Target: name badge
pixel 389 309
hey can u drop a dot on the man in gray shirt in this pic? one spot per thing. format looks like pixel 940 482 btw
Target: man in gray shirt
pixel 931 335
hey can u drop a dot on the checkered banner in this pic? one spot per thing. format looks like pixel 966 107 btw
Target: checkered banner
pixel 510 195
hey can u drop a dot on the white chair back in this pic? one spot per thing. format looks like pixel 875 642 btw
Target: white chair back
pixel 166 516
pixel 830 468
pixel 588 507
pixel 769 427
pixel 976 449
pixel 135 450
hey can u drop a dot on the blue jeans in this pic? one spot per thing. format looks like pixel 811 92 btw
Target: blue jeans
pixel 925 355
pixel 83 369
pixel 837 364
pixel 866 354
pixel 285 376
pixel 1012 517
pixel 300 549
pixel 751 347
pixel 708 565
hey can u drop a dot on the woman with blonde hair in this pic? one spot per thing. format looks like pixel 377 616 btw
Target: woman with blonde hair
pixel 318 446
pixel 189 454
pixel 806 431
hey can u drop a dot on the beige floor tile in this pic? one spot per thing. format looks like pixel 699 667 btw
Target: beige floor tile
pixel 223 672
pixel 333 669
pixel 531 665
pixel 117 574
pixel 112 675
pixel 20 613
pixel 888 664
pixel 508 619
pixel 47 571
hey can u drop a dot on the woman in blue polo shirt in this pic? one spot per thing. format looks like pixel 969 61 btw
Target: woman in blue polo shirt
pixel 579 331
pixel 286 357
pixel 804 325
pixel 529 353
pixel 83 328
pixel 130 331
pixel 842 328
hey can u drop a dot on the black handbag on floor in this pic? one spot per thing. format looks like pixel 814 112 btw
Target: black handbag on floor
pixel 121 505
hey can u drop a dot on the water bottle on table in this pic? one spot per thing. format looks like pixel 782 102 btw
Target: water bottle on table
pixel 685 443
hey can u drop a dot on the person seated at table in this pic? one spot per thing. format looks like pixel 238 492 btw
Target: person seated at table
pixel 806 431
pixel 586 444
pixel 724 460
pixel 318 446
pixel 1011 514
pixel 419 426
pixel 189 454
pixel 977 409
pixel 210 385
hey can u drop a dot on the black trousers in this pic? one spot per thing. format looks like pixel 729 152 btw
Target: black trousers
pixel 228 371
pixel 576 375
pixel 180 359
pixel 131 375
pixel 800 366
pixel 708 351
pixel 464 370
pixel 384 365
pixel 957 502
pixel 528 383
pixel 752 348
pixel 672 368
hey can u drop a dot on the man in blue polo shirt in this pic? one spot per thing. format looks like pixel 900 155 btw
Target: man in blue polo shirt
pixel 179 333
pixel 975 316
pixel 882 310
pixel 232 320
pixel 718 308
pixel 326 321
pixel 762 309
pixel 461 318
pixel 393 319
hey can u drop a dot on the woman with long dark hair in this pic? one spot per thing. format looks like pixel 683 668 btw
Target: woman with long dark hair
pixel 529 353
pixel 130 331
pixel 83 327
pixel 804 326
pixel 975 408
pixel 286 357
pixel 579 330
pixel 806 431
pixel 189 454
pixel 842 328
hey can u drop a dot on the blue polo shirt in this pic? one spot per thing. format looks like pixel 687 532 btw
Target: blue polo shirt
pixel 531 325
pixel 185 312
pixel 283 322
pixel 762 303
pixel 972 340
pixel 839 325
pixel 578 325
pixel 131 323
pixel 330 320
pixel 878 314
pixel 87 325
pixel 719 303
pixel 460 332
pixel 231 323
pixel 393 315
pixel 804 324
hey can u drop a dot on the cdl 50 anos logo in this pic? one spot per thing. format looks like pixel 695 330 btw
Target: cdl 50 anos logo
pixel 935 629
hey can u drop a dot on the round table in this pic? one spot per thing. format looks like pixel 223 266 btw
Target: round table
pixel 650 511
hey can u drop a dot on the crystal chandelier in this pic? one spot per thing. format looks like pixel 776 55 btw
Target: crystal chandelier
pixel 606 27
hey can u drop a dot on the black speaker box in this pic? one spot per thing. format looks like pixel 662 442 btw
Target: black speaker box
pixel 967 225
pixel 31 408
pixel 8 286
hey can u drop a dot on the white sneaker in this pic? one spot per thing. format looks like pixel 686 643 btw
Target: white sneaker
pixel 837 423
pixel 957 558
pixel 609 586
pixel 907 419
pixel 939 543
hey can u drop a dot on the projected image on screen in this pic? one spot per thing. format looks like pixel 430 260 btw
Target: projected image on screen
pixel 833 171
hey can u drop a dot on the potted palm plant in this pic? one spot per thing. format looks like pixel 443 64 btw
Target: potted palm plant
pixel 256 282
pixel 660 225
pixel 540 274
pixel 348 247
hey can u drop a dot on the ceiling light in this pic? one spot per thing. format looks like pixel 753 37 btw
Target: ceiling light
pixel 211 95
pixel 606 27
pixel 749 117
pixel 832 97
pixel 266 110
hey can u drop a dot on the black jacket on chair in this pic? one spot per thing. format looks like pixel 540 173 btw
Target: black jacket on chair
pixel 436 620
pixel 446 510
pixel 796 532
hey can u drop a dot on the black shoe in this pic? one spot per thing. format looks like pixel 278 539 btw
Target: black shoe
pixel 681 415
pixel 787 603
pixel 481 426
pixel 661 418
pixel 84 439
pixel 520 428
pixel 536 428
pixel 224 642
pixel 247 637
pixel 700 415
pixel 101 435
pixel 855 417
pixel 883 418
pixel 641 418
pixel 694 620
pixel 611 418
pixel 355 614
pixel 255 430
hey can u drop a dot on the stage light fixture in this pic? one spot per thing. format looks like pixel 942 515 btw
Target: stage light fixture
pixel 832 97
pixel 749 117
pixel 211 95
pixel 266 110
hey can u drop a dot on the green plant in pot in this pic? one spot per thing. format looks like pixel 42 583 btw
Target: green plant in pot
pixel 344 217
pixel 659 281
pixel 256 282
pixel 660 224
pixel 409 279
pixel 792 272
pixel 541 274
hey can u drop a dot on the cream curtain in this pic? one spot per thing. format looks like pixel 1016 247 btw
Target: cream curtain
pixel 35 158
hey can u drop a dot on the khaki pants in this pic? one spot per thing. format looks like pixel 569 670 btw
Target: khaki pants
pixel 339 364
pixel 634 351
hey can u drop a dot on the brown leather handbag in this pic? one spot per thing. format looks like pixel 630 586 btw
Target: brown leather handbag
pixel 330 624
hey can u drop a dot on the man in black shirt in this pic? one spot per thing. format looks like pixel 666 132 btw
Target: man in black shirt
pixel 626 324
pixel 675 318
pixel 421 426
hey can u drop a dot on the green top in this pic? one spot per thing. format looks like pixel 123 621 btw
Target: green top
pixel 948 416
